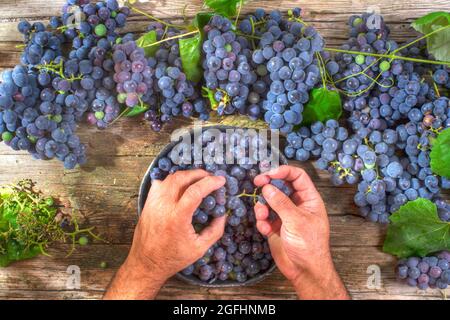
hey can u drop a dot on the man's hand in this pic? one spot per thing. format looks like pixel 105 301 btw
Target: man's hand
pixel 299 240
pixel 165 241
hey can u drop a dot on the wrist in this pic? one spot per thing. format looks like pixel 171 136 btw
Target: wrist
pixel 135 281
pixel 147 269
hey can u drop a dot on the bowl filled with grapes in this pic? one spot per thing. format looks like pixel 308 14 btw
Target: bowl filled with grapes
pixel 242 256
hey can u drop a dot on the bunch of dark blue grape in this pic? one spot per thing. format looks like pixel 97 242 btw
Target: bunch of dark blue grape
pixel 386 179
pixel 242 253
pixel 287 54
pixel 402 165
pixel 432 271
pixel 415 140
pixel 84 21
pixel 228 70
pixel 133 76
pixel 92 39
pixel 172 94
pixel 40 104
pixel 97 85
pixel 37 123
pixel 378 92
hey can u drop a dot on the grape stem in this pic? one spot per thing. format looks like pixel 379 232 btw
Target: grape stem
pixel 247 35
pixel 58 69
pixel 154 18
pixel 79 231
pixel 321 68
pixel 252 23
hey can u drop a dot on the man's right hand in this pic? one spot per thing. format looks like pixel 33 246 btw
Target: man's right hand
pixel 299 239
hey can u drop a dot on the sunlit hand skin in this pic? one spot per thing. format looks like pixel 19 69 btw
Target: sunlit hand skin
pixel 165 241
pixel 299 239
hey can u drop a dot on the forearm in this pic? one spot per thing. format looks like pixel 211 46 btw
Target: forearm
pixel 134 282
pixel 326 285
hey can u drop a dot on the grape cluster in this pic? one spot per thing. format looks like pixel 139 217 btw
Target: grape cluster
pixel 42 101
pixel 385 180
pixel 41 46
pixel 92 40
pixel 380 92
pixel 287 55
pixel 170 93
pixel 432 271
pixel 132 74
pixel 83 19
pixel 394 115
pixel 242 252
pixel 97 85
pixel 35 120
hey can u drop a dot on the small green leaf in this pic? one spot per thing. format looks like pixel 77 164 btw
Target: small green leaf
pixel 323 105
pixel 145 41
pixel 440 154
pixel 226 8
pixel 209 94
pixel 437 43
pixel 416 229
pixel 191 56
pixel 423 24
pixel 135 111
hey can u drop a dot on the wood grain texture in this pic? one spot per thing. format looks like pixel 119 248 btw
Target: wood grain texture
pixel 105 190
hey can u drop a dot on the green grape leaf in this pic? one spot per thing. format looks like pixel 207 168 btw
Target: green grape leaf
pixel 17 252
pixel 323 105
pixel 191 56
pixel 145 42
pixel 135 111
pixel 201 19
pixel 226 8
pixel 416 230
pixel 191 48
pixel 437 43
pixel 440 154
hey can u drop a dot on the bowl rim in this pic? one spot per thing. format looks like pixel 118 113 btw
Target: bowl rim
pixel 142 197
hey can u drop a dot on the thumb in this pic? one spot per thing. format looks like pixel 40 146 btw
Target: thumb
pixel 212 233
pixel 280 203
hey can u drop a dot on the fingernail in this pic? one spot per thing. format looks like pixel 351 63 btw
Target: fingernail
pixel 269 191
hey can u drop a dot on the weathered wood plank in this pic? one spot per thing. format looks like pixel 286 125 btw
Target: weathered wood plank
pixel 329 19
